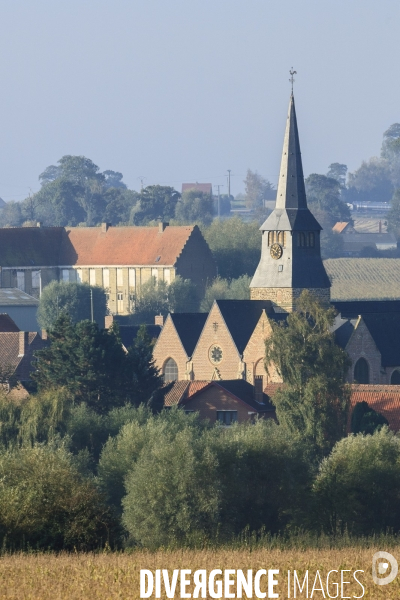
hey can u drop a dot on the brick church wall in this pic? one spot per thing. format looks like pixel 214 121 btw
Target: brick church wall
pixel 361 344
pixel 254 353
pixel 169 345
pixel 286 298
pixel 216 332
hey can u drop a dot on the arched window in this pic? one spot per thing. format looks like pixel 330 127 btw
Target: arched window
pixel 170 370
pixel 281 237
pixel 271 238
pixel 311 240
pixel 301 240
pixel 395 378
pixel 361 371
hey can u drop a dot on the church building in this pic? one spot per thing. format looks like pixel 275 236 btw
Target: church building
pixel 229 343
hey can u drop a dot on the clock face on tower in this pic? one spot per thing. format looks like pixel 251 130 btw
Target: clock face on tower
pixel 276 251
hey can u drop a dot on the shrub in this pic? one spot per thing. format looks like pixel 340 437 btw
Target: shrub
pixel 46 503
pixel 358 486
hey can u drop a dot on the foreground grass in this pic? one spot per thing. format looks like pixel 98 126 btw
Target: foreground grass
pixel 116 575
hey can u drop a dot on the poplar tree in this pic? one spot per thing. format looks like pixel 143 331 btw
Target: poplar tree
pixel 313 401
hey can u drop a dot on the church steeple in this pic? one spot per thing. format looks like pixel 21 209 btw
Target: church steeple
pixel 290 256
pixel 291 191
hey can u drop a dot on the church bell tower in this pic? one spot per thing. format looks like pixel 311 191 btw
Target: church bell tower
pixel 291 255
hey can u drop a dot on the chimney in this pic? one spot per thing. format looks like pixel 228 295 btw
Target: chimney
pixel 162 226
pixel 159 320
pixel 105 226
pixel 23 342
pixel 380 226
pixel 44 334
pixel 108 321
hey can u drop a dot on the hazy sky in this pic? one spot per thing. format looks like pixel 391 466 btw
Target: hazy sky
pixel 182 90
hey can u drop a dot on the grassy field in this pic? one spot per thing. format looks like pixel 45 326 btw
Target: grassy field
pixel 109 576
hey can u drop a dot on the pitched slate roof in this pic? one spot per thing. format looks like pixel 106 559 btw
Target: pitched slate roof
pixel 363 278
pixel 30 246
pixel 7 324
pixel 16 297
pixel 384 329
pixel 353 308
pixel 242 316
pixel 124 245
pixel 189 327
pixel 342 329
pixel 385 399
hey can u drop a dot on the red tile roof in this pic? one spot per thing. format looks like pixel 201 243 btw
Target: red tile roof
pixel 123 245
pixel 175 391
pixel 385 399
pixel 199 187
pixel 340 226
pixel 10 358
pixel 56 246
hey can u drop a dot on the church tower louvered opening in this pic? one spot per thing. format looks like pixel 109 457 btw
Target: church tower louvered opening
pixel 291 255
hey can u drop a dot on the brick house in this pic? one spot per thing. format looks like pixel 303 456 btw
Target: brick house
pixel 120 259
pixel 16 356
pixel 223 402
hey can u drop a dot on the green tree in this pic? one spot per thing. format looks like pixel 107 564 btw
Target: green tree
pixel 113 179
pixel 119 205
pixel 358 486
pixel 391 142
pixel 195 207
pixel 142 431
pixel 142 375
pixel 72 299
pixel 370 182
pixel 183 296
pixel 338 171
pixel 46 503
pixel 155 202
pixel 223 289
pixel 393 216
pixel 366 420
pixel 11 214
pixel 323 195
pixel 236 246
pixel 313 402
pixel 257 190
pixel 159 298
pixel 87 361
pixel 172 492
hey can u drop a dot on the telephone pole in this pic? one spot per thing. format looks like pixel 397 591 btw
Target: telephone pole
pixel 141 179
pixel 229 183
pixel 218 186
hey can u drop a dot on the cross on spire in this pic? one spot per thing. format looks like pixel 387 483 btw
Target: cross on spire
pixel 292 79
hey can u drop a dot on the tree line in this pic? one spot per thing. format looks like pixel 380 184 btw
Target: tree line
pixel 92 458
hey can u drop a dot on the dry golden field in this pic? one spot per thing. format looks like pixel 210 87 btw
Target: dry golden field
pixel 109 576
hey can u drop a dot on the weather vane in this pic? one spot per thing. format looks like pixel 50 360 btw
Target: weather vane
pixel 292 79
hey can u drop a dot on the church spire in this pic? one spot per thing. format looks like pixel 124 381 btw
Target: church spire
pixel 291 191
pixel 291 254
